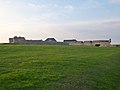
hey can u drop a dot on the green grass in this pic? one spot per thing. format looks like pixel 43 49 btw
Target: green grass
pixel 34 67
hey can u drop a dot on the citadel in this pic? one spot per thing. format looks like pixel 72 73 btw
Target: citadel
pixel 53 41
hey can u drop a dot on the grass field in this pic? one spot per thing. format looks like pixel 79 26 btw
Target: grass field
pixel 34 67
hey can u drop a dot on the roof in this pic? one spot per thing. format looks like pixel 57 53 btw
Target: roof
pixel 77 42
pixel 15 37
pixel 101 40
pixel 87 41
pixel 72 40
pixel 50 39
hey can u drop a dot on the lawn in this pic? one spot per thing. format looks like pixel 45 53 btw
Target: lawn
pixel 40 67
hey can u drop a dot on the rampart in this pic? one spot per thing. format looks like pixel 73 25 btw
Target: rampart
pixel 53 41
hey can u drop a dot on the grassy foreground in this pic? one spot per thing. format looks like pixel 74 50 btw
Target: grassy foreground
pixel 34 67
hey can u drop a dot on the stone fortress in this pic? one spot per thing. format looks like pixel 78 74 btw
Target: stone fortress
pixel 53 41
pixel 22 40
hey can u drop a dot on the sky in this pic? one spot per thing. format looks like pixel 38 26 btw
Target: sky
pixel 60 19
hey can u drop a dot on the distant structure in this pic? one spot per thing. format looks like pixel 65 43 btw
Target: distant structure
pixel 70 41
pixel 115 45
pixel 53 41
pixel 22 40
pixel 90 43
pixel 50 40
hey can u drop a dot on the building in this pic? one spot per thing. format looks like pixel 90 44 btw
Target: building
pixel 88 43
pixel 22 40
pixel 92 43
pixel 77 43
pixel 16 39
pixel 53 41
pixel 50 40
pixel 101 42
pixel 70 41
pixel 115 45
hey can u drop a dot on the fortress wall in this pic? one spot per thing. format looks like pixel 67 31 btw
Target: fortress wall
pixel 52 41
pixel 33 42
pixel 88 43
pixel 105 43
pixel 11 40
pixel 18 41
pixel 102 43
pixel 78 43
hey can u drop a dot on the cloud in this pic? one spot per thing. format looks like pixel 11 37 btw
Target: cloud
pixel 99 25
pixel 87 30
pixel 69 7
pixel 36 5
pixel 7 1
pixel 55 20
pixel 90 4
pixel 115 1
pixel 90 30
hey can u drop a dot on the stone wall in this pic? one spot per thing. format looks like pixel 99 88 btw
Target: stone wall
pixel 88 43
pixel 102 42
pixel 92 43
pixel 52 41
pixel 77 43
pixel 48 41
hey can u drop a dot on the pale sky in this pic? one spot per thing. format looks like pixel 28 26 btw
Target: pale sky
pixel 61 19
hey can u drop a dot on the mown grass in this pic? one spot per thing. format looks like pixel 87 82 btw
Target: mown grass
pixel 34 67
